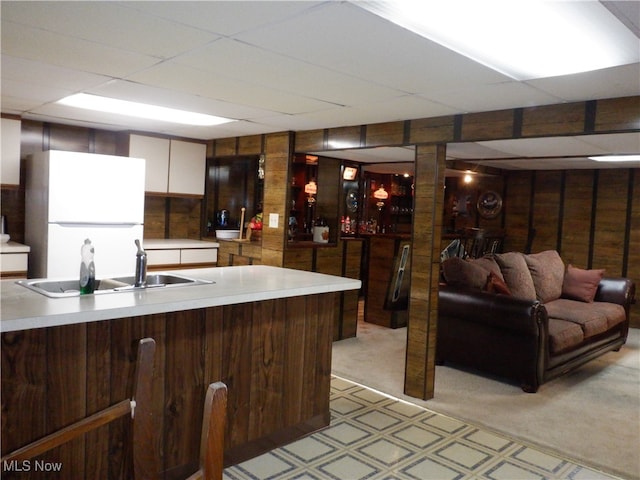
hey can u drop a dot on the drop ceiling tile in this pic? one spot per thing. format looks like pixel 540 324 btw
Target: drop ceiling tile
pixel 497 96
pixel 374 112
pixel 234 129
pixel 253 64
pixel 33 93
pixel 39 76
pixel 331 117
pixel 245 93
pixel 181 78
pixel 470 150
pixel 512 164
pixel 293 67
pixel 69 52
pixel 355 42
pixel 606 83
pixel 543 147
pixel 105 120
pixel 554 164
pixel 614 143
pixel 17 105
pixel 239 129
pixel 403 107
pixel 110 24
pixel 225 18
pixel 177 99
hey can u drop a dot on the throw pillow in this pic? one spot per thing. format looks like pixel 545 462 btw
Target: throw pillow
pixel 459 272
pixel 495 284
pixel 516 275
pixel 581 284
pixel 488 263
pixel 547 273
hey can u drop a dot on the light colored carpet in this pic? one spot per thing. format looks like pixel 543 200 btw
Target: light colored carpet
pixel 591 415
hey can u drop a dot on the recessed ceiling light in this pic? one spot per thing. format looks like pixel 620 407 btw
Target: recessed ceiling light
pixel 141 110
pixel 616 158
pixel 523 39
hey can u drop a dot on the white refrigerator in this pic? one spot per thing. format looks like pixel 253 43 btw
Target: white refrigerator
pixel 72 196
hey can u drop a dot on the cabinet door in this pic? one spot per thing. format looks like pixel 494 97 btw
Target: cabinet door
pixel 187 167
pixel 156 153
pixel 10 159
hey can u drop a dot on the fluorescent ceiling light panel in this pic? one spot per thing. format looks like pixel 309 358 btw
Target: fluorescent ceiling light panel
pixel 523 39
pixel 616 158
pixel 141 110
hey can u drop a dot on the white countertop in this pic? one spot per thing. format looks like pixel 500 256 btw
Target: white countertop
pixel 22 309
pixel 14 247
pixel 176 243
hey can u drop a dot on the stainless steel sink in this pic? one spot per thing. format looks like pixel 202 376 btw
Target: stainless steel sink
pixel 159 280
pixel 71 288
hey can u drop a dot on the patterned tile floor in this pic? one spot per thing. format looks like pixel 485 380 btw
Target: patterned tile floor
pixel 373 436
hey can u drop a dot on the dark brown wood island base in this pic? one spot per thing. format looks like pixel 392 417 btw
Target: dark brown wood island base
pixel 274 356
pixel 272 352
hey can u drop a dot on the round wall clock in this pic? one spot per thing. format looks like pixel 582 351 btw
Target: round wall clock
pixel 489 204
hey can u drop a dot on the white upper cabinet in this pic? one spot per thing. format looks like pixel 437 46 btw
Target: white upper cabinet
pixel 10 159
pixel 173 166
pixel 187 167
pixel 156 153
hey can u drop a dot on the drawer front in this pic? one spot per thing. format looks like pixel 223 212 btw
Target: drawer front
pixel 199 255
pixel 14 262
pixel 163 257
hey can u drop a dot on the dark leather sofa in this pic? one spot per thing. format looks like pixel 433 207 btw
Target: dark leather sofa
pixel 526 340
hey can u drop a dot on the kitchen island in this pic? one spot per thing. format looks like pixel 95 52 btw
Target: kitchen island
pixel 264 331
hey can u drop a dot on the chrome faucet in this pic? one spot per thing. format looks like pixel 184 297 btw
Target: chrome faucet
pixel 141 266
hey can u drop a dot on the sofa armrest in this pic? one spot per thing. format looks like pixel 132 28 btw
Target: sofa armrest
pixel 497 334
pixel 502 311
pixel 616 290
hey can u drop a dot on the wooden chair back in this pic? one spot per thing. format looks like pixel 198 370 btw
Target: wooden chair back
pixel 138 407
pixel 212 439
pixel 146 462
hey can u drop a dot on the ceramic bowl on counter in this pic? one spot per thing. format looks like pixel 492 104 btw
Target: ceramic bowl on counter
pixel 4 237
pixel 227 234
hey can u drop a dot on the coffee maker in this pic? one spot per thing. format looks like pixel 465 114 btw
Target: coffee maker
pixel 223 218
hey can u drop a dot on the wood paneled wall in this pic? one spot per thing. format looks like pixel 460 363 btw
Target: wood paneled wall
pixel 278 155
pixel 425 271
pixel 344 260
pixel 277 148
pixel 591 217
pixel 578 118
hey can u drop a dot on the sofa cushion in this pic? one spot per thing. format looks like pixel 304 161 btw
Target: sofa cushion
pixel 547 273
pixel 581 284
pixel 563 335
pixel 461 273
pixel 594 318
pixel 516 275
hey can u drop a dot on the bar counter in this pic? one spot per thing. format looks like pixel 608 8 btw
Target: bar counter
pixel 266 332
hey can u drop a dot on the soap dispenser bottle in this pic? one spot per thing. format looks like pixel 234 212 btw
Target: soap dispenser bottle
pixel 87 269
